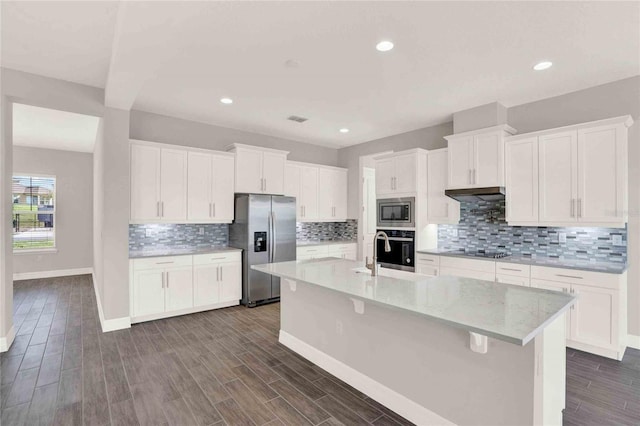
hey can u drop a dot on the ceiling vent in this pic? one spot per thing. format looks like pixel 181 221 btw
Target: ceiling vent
pixel 297 119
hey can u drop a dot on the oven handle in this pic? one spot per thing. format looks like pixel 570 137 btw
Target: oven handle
pixel 397 239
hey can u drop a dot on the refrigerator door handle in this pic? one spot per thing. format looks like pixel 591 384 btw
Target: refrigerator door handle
pixel 270 238
pixel 274 237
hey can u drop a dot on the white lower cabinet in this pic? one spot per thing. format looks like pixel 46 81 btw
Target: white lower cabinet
pixel 511 279
pixel 167 286
pixel 597 323
pixel 427 264
pixel 468 268
pixel 347 251
pixel 343 251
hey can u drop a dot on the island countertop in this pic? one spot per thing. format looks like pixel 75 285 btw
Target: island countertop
pixel 511 313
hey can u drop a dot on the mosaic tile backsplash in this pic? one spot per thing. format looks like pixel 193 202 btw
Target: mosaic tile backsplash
pixel 483 226
pixel 158 236
pixel 327 231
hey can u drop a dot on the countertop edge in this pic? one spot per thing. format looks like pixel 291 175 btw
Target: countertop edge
pixel 194 253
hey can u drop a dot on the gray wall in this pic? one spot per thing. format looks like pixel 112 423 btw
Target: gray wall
pixel 6 249
pixel 73 219
pixel 609 100
pixel 427 138
pixel 98 208
pixel 160 128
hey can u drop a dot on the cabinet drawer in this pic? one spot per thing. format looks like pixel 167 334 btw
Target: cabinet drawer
pixel 427 259
pixel 514 269
pixel 573 276
pixel 467 273
pixel 512 279
pixel 162 262
pixel 204 259
pixel 427 270
pixel 317 251
pixel 341 248
pixel 470 264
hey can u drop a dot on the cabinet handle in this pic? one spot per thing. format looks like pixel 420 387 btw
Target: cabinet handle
pixel 573 207
pixel 163 263
pixel 218 258
pixel 213 207
pixel 474 176
pixel 217 273
pixel 162 208
pixel 163 280
pixel 579 207
pixel 221 269
pixel 167 275
pixel 425 260
pixel 209 209
pixel 265 188
pixel 511 269
pixel 158 208
pixel 569 276
pixel 469 177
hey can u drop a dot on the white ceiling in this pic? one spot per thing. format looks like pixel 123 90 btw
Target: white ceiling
pixel 180 58
pixel 47 128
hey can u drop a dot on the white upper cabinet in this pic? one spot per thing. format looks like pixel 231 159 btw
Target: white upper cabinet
pixel 476 159
pixel 259 170
pixel 158 184
pixel 397 174
pixel 332 194
pixel 581 175
pixel 210 187
pixel 522 180
pixel 440 208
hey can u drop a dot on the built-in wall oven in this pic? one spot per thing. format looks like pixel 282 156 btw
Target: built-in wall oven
pixel 396 213
pixel 402 249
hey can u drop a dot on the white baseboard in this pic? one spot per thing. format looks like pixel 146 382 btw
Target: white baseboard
pixel 111 324
pixel 633 341
pixel 6 341
pixel 379 392
pixel 51 274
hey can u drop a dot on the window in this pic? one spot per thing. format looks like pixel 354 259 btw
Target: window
pixel 33 212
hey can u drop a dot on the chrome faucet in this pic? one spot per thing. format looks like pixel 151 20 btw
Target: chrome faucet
pixel 387 248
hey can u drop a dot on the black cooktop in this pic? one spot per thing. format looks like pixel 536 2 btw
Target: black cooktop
pixel 482 253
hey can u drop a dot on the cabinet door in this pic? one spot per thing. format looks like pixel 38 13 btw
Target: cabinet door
pixel 148 292
pixel 385 174
pixel 555 286
pixel 308 201
pixel 179 286
pixel 488 164
pixel 522 180
pixel 249 171
pixel 222 205
pixel 460 154
pixel 602 174
pixel 199 186
pixel 340 195
pixel 173 184
pixel 145 183
pixel 206 284
pixel 440 208
pixel 594 317
pixel 557 177
pixel 509 279
pixel 292 183
pixel 273 173
pixel 427 270
pixel 325 194
pixel 231 281
pixel 405 173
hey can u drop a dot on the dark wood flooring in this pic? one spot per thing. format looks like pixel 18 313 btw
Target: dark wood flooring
pixel 215 368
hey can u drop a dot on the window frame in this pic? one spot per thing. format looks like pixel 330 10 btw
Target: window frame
pixel 54 248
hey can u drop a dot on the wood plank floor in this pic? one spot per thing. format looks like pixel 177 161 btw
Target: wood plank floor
pixel 215 368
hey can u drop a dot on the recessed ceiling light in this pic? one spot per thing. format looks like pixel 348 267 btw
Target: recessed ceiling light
pixel 384 46
pixel 344 130
pixel 542 65
pixel 226 101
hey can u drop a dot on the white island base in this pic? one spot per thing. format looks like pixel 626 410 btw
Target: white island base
pixel 424 369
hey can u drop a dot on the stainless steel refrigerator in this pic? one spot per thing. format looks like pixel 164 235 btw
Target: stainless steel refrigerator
pixel 265 229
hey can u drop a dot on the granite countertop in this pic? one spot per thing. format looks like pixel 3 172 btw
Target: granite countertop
pixel 583 265
pixel 511 313
pixel 177 251
pixel 307 243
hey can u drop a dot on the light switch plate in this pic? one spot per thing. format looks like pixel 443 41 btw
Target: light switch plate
pixel 454 232
pixel 562 237
pixel 148 233
pixel 617 240
pixel 201 230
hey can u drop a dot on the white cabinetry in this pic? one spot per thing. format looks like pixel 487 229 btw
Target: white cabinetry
pixel 320 191
pixel 259 170
pixel 158 184
pixel 396 174
pixel 476 159
pixel 210 187
pixel 175 285
pixel 427 264
pixel 343 251
pixel 572 176
pixel 468 268
pixel 597 323
pixel 513 273
pixel 440 208
pixel 312 252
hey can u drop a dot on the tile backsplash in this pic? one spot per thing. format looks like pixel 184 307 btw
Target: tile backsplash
pixel 483 226
pixel 156 236
pixel 327 231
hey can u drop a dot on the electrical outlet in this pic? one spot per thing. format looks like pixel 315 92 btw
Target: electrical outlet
pixel 454 232
pixel 201 230
pixel 616 240
pixel 148 233
pixel 562 237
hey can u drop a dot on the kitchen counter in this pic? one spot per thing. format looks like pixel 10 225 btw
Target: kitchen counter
pixel 583 265
pixel 513 314
pixel 311 243
pixel 178 251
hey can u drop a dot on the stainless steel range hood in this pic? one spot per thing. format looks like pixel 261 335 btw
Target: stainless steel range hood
pixel 466 195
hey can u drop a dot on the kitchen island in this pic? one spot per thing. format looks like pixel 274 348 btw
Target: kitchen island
pixel 443 350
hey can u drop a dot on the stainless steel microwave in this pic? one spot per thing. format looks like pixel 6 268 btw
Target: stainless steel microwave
pixel 396 212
